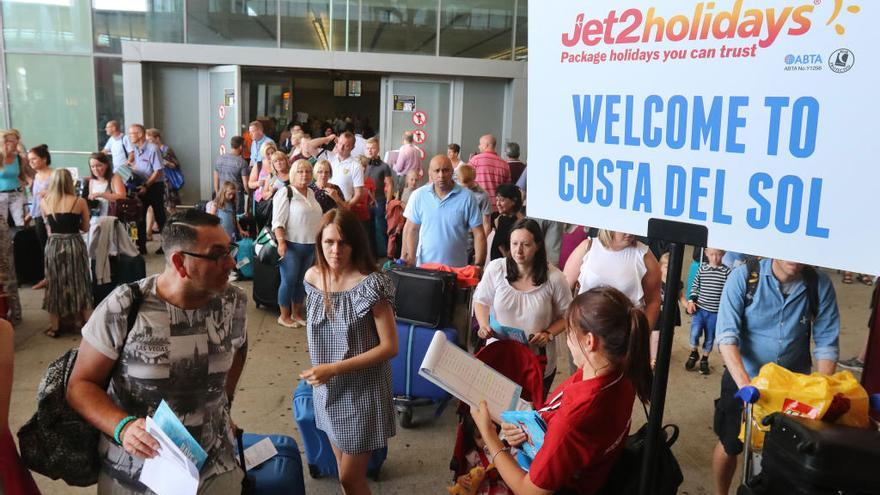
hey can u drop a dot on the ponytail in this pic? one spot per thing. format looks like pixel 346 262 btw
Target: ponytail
pixel 636 365
pixel 622 329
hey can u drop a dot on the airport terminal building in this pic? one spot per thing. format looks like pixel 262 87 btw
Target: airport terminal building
pixel 200 70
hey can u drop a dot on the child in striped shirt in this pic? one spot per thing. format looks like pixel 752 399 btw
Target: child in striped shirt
pixel 705 298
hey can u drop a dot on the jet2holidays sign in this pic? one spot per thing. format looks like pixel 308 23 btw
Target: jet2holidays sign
pixel 758 119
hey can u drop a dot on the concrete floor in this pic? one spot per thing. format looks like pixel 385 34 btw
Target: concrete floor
pixel 418 458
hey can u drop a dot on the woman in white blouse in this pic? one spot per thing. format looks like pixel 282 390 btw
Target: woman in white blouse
pixel 296 219
pixel 523 291
pixel 618 260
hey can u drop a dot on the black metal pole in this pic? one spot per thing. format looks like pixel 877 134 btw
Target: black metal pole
pixel 661 369
pixel 679 234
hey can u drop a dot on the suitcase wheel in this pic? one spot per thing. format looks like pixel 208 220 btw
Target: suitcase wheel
pixel 373 474
pixel 315 472
pixel 404 416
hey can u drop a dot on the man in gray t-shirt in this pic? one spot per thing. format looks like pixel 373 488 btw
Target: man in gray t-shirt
pixel 233 168
pixel 187 346
pixel 383 178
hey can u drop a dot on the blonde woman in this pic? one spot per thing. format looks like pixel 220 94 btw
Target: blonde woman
pixel 68 291
pixel 262 174
pixel 296 218
pixel 620 261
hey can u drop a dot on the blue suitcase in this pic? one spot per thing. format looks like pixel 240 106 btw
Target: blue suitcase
pixel 319 454
pixel 280 475
pixel 411 389
pixel 244 259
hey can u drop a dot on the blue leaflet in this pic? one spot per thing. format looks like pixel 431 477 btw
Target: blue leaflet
pixel 534 426
pixel 171 425
pixel 507 333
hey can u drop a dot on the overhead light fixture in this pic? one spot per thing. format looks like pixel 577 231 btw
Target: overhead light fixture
pixel 319 31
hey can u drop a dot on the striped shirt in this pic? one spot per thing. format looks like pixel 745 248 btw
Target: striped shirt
pixel 708 285
pixel 492 171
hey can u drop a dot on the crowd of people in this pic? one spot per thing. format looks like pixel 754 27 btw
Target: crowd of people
pixel 329 199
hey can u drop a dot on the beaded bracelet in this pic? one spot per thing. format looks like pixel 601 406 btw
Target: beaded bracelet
pixel 126 420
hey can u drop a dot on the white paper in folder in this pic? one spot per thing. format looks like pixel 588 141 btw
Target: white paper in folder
pixel 469 379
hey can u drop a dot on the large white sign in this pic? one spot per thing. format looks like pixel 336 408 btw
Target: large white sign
pixel 758 119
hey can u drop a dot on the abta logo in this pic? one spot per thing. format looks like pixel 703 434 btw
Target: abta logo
pixel 841 60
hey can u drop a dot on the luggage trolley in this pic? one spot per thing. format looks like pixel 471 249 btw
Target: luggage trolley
pixel 751 481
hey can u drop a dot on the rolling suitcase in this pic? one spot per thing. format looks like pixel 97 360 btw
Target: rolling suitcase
pixel 280 475
pixel 319 454
pixel 244 259
pixel 123 270
pixel 805 456
pixel 267 280
pixel 411 389
pixel 28 256
pixel 423 297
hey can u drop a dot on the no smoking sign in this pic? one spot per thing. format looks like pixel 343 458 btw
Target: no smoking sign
pixel 419 118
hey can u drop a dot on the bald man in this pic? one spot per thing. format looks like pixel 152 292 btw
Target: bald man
pixel 492 170
pixel 439 216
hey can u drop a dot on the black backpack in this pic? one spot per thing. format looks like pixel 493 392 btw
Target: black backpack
pixel 57 442
pixel 811 281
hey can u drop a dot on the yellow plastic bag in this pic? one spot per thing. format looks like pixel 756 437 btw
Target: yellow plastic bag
pixel 838 398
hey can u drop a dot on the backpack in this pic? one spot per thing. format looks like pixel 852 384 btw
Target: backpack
pixel 57 442
pixel 809 274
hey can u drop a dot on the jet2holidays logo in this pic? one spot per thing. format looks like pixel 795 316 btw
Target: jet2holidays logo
pixel 732 30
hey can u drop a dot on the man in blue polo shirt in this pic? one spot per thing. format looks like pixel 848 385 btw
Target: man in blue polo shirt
pixel 439 216
pixel 148 171
pixel 774 328
pixel 259 138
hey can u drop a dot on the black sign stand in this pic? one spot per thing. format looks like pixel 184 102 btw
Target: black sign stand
pixel 678 234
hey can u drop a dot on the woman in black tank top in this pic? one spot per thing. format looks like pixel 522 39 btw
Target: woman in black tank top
pixel 68 288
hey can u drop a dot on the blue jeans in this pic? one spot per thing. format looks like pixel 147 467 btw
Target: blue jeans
pixel 380 229
pixel 297 259
pixel 703 321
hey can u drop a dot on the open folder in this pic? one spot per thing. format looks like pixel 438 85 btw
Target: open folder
pixel 469 379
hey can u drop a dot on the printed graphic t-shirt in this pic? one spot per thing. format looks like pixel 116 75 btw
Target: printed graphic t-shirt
pixel 181 356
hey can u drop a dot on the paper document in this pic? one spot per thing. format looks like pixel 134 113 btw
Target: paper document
pixel 469 379
pixel 165 418
pixel 259 453
pixel 391 157
pixel 170 472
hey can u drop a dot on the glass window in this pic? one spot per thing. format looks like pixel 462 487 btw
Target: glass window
pixel 476 28
pixel 108 94
pixel 344 16
pixel 48 25
pixel 136 20
pixel 232 22
pixel 402 27
pixel 52 100
pixel 522 31
pixel 305 24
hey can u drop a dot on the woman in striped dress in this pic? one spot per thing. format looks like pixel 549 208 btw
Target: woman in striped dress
pixel 68 291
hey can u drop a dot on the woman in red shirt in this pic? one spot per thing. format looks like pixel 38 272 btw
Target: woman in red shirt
pixel 588 416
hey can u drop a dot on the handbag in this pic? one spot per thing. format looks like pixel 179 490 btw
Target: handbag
pixel 266 247
pixel 57 442
pixel 174 177
pixel 128 210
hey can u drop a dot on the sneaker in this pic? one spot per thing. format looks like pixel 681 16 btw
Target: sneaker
pixel 704 365
pixel 852 364
pixel 692 361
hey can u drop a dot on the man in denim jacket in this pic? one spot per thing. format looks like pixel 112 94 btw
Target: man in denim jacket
pixel 774 328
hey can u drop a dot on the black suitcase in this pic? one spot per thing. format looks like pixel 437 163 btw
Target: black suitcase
pixel 805 456
pixel 267 280
pixel 28 255
pixel 123 270
pixel 423 297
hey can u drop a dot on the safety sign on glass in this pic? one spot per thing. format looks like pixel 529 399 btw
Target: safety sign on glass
pixel 419 118
pixel 221 131
pixel 419 136
pixel 221 112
